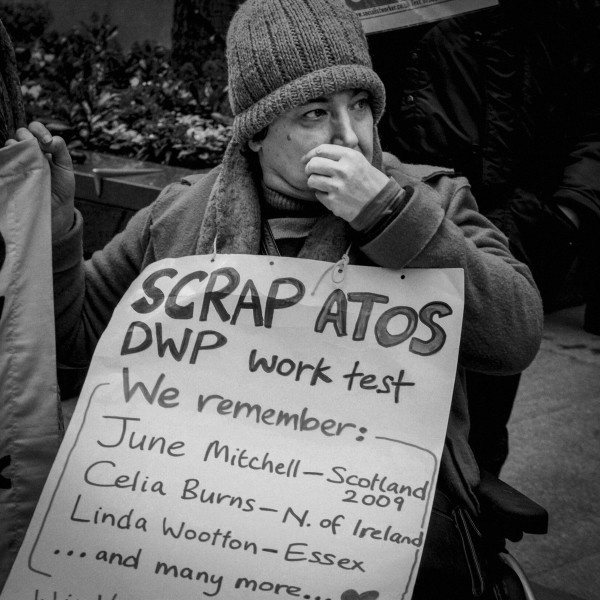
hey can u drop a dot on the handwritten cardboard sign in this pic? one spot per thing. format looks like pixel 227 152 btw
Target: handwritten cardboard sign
pixel 252 427
pixel 383 15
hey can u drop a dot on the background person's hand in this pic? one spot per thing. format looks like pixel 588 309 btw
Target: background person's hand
pixel 342 179
pixel 61 171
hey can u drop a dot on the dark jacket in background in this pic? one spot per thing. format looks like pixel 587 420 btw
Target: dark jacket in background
pixel 506 96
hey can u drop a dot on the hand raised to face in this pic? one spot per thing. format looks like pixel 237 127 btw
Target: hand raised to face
pixel 342 179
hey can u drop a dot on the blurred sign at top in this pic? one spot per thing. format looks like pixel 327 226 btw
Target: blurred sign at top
pixel 383 15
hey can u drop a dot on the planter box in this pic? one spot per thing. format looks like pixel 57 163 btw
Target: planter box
pixel 107 201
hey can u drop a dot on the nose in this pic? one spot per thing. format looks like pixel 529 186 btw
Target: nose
pixel 344 133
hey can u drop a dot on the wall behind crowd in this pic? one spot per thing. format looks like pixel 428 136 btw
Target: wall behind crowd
pixel 138 20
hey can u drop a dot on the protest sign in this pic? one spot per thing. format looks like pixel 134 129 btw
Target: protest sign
pixel 29 408
pixel 252 427
pixel 383 15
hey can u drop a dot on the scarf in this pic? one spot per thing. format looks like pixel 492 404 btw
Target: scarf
pixel 233 214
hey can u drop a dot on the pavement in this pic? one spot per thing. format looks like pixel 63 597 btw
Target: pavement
pixel 555 459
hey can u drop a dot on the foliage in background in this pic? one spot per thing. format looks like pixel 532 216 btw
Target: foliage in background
pixel 99 97
pixel 25 22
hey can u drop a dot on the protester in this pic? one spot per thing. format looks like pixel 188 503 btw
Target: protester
pixel 304 176
pixel 508 97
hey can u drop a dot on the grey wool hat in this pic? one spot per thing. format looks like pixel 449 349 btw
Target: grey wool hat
pixel 282 53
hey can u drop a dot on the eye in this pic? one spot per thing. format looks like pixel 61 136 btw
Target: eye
pixel 362 103
pixel 314 114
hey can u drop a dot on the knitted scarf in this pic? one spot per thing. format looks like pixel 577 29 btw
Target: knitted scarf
pixel 233 214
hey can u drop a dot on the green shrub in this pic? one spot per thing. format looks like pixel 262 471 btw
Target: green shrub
pixel 25 22
pixel 135 103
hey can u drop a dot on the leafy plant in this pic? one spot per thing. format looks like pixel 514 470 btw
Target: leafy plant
pixel 25 22
pixel 135 103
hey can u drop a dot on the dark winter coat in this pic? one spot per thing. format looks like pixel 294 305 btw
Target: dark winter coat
pixel 506 96
pixel 439 226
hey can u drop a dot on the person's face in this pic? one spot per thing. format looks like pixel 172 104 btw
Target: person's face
pixel 343 118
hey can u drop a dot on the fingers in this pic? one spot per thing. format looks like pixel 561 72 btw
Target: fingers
pixel 53 145
pixel 326 169
pixel 319 183
pixel 40 132
pixel 20 135
pixel 330 151
pixel 36 130
pixel 23 134
pixel 330 160
pixel 321 166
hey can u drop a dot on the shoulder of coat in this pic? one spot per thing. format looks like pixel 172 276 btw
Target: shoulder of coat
pixel 417 172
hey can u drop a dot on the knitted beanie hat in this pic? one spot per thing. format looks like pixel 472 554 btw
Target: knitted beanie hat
pixel 282 53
